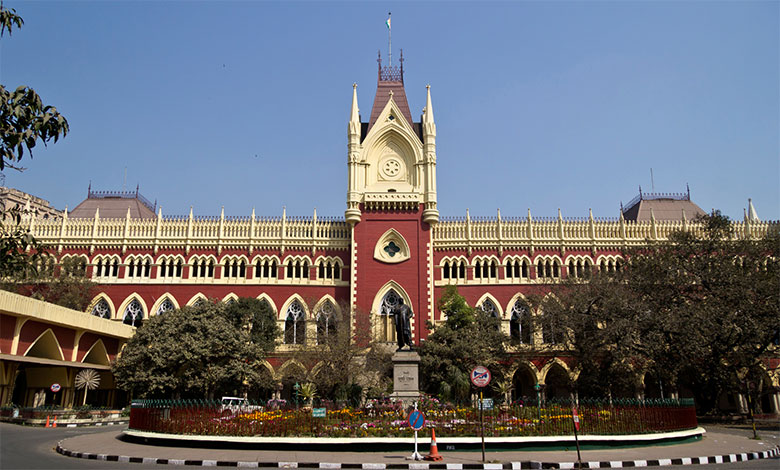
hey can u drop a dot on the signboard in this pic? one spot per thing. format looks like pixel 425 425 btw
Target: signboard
pixel 55 388
pixel 487 404
pixel 416 420
pixel 318 412
pixel 576 418
pixel 480 376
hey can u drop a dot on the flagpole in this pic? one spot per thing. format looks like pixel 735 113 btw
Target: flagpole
pixel 389 40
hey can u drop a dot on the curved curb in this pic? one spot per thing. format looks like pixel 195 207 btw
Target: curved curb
pixel 729 458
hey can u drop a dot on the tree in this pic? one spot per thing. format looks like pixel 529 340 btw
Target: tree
pixel 24 119
pixel 469 337
pixel 346 362
pixel 699 311
pixel 68 286
pixel 196 351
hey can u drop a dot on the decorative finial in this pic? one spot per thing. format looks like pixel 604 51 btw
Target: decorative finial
pixel 391 93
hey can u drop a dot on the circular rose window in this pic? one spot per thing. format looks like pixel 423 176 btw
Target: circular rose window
pixel 391 168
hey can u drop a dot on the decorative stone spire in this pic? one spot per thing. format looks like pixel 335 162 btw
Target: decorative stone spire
pixel 428 114
pixel 354 115
pixel 752 214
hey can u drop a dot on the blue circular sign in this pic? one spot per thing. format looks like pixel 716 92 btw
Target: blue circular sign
pixel 416 420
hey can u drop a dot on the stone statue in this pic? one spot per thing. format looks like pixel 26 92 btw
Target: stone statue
pixel 403 331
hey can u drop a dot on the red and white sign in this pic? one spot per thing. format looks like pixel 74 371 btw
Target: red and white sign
pixel 55 388
pixel 576 418
pixel 480 376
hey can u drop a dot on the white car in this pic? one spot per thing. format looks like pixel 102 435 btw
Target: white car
pixel 238 405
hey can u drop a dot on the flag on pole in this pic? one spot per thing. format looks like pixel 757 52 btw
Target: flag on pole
pixel 388 21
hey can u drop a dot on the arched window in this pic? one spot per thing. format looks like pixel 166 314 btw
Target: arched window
pixel 489 307
pixel 520 323
pixel 445 270
pixel 165 306
pixel 101 309
pixel 326 322
pixel 134 313
pixel 386 330
pixel 551 333
pixel 295 324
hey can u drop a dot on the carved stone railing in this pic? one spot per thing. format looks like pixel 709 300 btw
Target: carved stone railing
pixel 194 232
pixel 497 233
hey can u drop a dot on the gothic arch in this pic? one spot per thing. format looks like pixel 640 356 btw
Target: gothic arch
pixel 555 362
pixel 134 296
pixel 231 296
pixel 270 301
pixel 489 296
pixel 46 346
pixel 291 367
pixel 98 298
pixel 196 299
pixel 160 300
pixel 519 296
pixel 384 290
pixel 97 354
pixel 324 299
pixel 282 314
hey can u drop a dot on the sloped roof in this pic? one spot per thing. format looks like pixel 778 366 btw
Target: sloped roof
pixel 390 79
pixel 664 206
pixel 113 205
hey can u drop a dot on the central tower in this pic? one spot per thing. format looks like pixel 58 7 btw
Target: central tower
pixel 392 159
pixel 391 205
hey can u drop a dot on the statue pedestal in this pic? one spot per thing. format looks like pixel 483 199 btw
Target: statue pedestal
pixel 406 379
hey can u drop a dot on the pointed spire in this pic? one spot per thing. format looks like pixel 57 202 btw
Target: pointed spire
pixel 253 213
pixel 354 115
pixel 159 212
pixel 428 116
pixel 190 212
pixel 560 217
pixel 222 213
pixel 752 214
pixel 128 214
pixel 97 213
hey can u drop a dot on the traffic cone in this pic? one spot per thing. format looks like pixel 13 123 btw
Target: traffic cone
pixel 434 453
pixel 47 421
pixel 54 424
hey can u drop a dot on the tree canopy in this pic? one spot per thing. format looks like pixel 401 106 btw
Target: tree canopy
pixel 467 338
pixel 199 351
pixel 24 118
pixel 700 312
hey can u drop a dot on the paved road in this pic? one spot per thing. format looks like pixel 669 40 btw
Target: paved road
pixel 27 447
pixel 24 447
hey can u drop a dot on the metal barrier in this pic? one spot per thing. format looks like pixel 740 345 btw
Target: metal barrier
pixel 552 418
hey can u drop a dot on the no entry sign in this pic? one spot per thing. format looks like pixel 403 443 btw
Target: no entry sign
pixel 55 388
pixel 480 376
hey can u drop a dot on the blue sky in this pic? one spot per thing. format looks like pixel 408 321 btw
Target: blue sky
pixel 539 105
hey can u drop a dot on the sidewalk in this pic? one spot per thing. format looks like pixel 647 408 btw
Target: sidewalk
pixel 719 445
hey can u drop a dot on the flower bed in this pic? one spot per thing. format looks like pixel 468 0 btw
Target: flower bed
pixel 385 419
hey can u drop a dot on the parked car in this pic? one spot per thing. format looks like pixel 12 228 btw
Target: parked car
pixel 236 405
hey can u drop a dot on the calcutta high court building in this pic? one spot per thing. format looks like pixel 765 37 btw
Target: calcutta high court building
pixel 392 246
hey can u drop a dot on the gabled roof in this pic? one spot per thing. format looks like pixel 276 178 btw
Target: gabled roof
pixel 114 205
